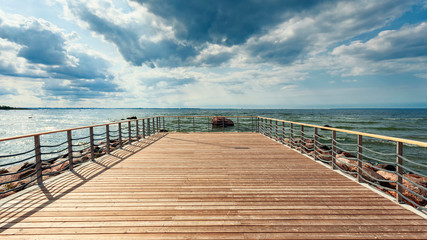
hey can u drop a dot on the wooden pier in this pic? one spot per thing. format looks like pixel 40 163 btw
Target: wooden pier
pixel 205 186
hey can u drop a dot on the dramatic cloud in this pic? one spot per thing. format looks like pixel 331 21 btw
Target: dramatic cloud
pixel 223 21
pixel 305 35
pixel 40 41
pixel 408 42
pixel 214 53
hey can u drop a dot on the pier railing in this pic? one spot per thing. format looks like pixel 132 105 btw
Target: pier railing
pixel 373 159
pixel 370 158
pixel 50 153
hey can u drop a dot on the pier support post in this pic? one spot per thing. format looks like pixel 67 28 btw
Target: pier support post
pixel 107 133
pixel 39 169
pixel 137 130
pixel 120 135
pixel 315 142
pixel 301 142
pixel 292 136
pixel 148 128
pixel 333 153
pixel 92 144
pixel 277 135
pixel 399 172
pixel 70 150
pixel 143 128
pixel 359 158
pixel 283 132
pixel 130 132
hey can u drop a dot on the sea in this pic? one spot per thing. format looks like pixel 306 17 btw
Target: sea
pixel 401 123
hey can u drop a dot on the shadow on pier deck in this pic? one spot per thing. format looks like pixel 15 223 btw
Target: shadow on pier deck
pixel 205 186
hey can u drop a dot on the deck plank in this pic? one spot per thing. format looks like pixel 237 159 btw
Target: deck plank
pixel 206 186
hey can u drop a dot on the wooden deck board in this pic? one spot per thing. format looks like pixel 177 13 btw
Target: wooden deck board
pixel 206 186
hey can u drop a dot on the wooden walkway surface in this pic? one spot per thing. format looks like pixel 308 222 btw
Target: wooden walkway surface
pixel 206 186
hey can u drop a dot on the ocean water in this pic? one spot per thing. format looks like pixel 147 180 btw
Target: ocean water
pixel 402 123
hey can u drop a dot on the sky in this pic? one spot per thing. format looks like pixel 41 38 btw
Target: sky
pixel 213 53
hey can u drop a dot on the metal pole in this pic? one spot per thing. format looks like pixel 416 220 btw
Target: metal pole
pixel 120 135
pixel 179 127
pixel 92 144
pixel 130 132
pixel 315 143
pixel 208 124
pixel 333 154
pixel 399 171
pixel 277 135
pixel 271 129
pixel 292 136
pixel 283 132
pixel 194 127
pixel 237 124
pixel 301 143
pixel 148 127
pixel 143 128
pixel 70 150
pixel 223 124
pixel 359 158
pixel 38 160
pixel 107 132
pixel 137 130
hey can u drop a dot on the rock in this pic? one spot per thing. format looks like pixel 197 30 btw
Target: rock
pixel 222 121
pixel 344 164
pixel 387 167
pixel 60 167
pixel 133 117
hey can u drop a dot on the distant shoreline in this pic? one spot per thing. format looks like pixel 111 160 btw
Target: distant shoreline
pixel 12 108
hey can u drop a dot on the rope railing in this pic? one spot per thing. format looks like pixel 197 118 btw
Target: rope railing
pixel 343 150
pixel 54 152
pixel 369 158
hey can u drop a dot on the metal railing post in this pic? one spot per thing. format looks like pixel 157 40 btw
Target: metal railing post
pixel 179 127
pixel 137 130
pixel 92 144
pixel 333 153
pixel 208 123
pixel 148 127
pixel 107 132
pixel 130 132
pixel 315 143
pixel 143 128
pixel 237 124
pixel 39 169
pixel 120 135
pixel 223 124
pixel 70 150
pixel 283 132
pixel 194 127
pixel 359 158
pixel 164 126
pixel 276 135
pixel 270 128
pixel 399 171
pixel 301 142
pixel 292 136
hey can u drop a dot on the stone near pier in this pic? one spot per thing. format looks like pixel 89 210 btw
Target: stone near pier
pixel 222 121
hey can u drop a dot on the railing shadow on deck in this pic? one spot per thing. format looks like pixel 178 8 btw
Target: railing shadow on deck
pixel 59 186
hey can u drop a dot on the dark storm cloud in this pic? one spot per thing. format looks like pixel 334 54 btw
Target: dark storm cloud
pixel 224 21
pixel 39 44
pixel 163 53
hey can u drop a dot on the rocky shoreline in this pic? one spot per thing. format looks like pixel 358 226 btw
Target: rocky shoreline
pixel 24 175
pixel 381 174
